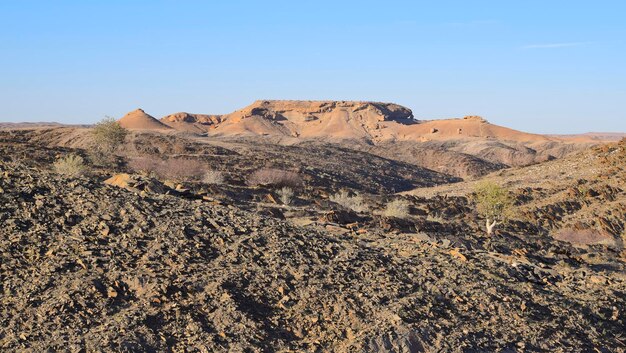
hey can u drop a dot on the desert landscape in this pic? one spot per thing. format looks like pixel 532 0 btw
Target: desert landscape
pixel 310 226
pixel 312 177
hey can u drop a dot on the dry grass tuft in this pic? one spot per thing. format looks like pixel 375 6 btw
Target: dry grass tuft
pixel 354 202
pixel 71 166
pixel 214 177
pixel 181 169
pixel 397 208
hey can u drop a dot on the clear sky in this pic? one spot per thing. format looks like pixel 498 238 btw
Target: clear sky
pixel 545 66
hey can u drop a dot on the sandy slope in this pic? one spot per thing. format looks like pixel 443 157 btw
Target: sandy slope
pixel 139 120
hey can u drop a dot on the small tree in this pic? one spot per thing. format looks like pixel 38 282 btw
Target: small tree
pixel 108 135
pixel 494 203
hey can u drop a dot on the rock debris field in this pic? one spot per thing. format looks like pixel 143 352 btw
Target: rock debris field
pixel 88 267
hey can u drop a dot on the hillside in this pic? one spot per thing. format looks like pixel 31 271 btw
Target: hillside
pixel 583 191
pixel 156 266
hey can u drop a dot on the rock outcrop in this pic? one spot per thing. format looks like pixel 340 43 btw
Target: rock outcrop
pixel 313 119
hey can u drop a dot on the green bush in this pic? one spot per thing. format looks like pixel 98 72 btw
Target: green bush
pixel 108 135
pixel 493 202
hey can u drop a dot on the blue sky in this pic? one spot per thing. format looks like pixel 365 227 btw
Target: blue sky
pixel 539 66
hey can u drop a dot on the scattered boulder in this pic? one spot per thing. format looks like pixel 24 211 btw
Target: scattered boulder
pixel 138 183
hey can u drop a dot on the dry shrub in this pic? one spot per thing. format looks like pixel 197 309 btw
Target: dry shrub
pixel 397 208
pixel 72 165
pixel 213 177
pixel 584 236
pixel 174 169
pixel 286 195
pixel 275 177
pixel 354 202
pixel 144 165
pixel 180 169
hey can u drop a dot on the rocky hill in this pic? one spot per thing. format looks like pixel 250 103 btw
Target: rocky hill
pixel 584 193
pixel 466 147
pixel 350 120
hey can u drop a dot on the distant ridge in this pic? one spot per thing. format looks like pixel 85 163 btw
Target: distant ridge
pixel 593 136
pixel 344 120
pixel 341 120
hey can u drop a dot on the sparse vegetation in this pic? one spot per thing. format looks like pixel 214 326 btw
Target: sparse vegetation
pixel 286 195
pixel 180 169
pixel 397 208
pixel 108 134
pixel 275 177
pixel 174 169
pixel 195 233
pixel 144 165
pixel 494 203
pixel 214 177
pixel 584 236
pixel 71 165
pixel 354 202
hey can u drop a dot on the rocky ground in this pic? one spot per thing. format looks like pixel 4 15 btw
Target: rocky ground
pixel 87 266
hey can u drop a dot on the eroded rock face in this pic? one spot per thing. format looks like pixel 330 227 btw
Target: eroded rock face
pixel 285 109
pixel 198 123
pixel 313 119
pixel 295 118
pixel 191 118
